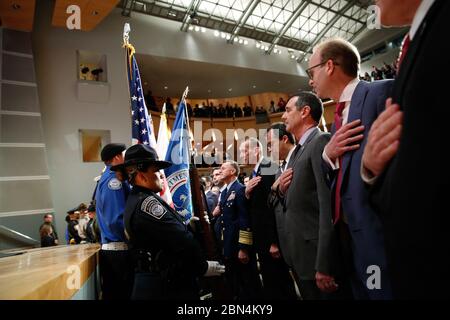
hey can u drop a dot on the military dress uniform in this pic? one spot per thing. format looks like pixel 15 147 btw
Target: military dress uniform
pixel 242 279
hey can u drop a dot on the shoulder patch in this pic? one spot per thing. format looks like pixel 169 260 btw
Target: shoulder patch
pixel 114 184
pixel 153 207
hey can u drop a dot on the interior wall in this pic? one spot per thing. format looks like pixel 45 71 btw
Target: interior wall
pixel 25 194
pixel 68 105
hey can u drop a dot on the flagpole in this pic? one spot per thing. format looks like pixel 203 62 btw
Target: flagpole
pixel 198 201
pixel 183 99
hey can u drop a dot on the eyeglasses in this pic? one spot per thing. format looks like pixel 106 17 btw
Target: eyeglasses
pixel 310 74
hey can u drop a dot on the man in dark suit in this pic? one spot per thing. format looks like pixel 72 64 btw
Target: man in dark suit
pixel 308 226
pixel 211 195
pixel 334 69
pixel 240 260
pixel 405 150
pixel 280 145
pixel 216 220
pixel 275 273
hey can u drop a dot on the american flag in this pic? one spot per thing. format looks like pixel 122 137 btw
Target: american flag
pixel 141 121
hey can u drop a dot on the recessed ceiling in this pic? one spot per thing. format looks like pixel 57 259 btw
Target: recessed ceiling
pixel 206 80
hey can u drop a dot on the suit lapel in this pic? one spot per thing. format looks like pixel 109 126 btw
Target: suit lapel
pixel 267 164
pixel 232 188
pixel 355 113
pixel 412 55
pixel 406 67
pixel 302 149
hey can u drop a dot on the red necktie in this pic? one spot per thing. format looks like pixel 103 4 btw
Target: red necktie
pixel 337 199
pixel 403 51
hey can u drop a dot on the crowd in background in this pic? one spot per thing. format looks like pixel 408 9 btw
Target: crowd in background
pixel 204 110
pixel 387 71
pixel 81 228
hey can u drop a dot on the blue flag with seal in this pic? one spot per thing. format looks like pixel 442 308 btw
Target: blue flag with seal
pixel 177 175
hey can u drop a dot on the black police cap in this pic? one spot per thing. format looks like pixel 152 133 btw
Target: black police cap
pixel 72 211
pixel 140 153
pixel 111 150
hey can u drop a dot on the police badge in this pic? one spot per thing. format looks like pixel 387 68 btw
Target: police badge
pixel 153 207
pixel 114 184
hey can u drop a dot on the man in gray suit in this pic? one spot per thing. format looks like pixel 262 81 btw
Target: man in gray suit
pixel 310 246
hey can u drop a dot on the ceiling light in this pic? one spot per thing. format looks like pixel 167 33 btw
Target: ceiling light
pixel 245 42
pixel 258 45
pixel 241 41
pixel 275 50
pixel 292 56
pixel 235 39
pixel 216 33
pixel 191 28
pixel 254 87
pixel 230 89
pixel 223 35
pixel 306 59
pixel 228 37
pixel 197 28
pixel 166 87
pixel 172 14
pixel 203 29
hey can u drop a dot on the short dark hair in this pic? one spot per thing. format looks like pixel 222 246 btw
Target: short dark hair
pixel 308 98
pixel 280 129
pixel 343 53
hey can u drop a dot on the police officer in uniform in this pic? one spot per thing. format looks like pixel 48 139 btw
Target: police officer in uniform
pixel 116 270
pixel 168 258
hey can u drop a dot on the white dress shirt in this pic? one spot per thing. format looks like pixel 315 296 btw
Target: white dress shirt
pixel 346 97
pixel 305 136
pixel 286 161
pixel 255 169
pixel 230 184
pixel 419 16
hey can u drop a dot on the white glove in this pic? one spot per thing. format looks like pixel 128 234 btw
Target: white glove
pixel 214 269
pixel 207 219
pixel 192 222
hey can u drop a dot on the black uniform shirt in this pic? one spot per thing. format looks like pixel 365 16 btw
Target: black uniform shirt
pixel 151 224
